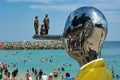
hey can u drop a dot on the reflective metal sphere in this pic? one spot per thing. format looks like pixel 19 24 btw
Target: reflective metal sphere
pixel 84 33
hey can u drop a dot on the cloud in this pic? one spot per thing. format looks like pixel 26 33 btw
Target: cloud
pixel 103 5
pixel 39 1
pixel 111 8
pixel 66 5
pixel 110 12
pixel 62 7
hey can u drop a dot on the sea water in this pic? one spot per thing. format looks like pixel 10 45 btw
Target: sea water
pixel 39 59
pixel 111 53
pixel 48 60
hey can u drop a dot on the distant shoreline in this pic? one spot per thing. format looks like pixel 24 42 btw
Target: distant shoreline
pixel 42 45
pixel 32 45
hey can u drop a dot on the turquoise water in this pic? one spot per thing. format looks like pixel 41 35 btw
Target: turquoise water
pixel 26 59
pixel 33 59
pixel 111 54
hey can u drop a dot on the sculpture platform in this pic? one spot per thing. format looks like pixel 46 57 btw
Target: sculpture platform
pixel 48 37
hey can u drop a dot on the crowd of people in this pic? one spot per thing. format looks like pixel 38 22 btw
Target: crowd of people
pixel 6 75
pixel 51 76
pixel 35 75
pixel 44 27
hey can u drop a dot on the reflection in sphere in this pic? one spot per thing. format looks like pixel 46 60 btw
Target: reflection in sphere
pixel 84 33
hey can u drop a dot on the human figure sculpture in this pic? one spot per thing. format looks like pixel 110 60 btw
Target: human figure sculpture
pixel 84 34
pixel 46 23
pixel 87 36
pixel 42 30
pixel 36 25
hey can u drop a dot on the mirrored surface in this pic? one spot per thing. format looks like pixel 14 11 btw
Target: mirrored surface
pixel 84 33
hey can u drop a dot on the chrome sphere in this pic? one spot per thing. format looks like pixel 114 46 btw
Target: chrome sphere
pixel 84 33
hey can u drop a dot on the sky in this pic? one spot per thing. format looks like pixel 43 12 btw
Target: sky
pixel 17 16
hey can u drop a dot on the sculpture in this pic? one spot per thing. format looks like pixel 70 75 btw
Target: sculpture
pixel 84 34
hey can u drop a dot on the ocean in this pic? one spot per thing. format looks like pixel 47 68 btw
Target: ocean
pixel 48 60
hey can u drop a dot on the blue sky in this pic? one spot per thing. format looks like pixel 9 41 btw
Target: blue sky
pixel 17 16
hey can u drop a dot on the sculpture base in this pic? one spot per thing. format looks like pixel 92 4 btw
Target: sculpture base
pixel 47 37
